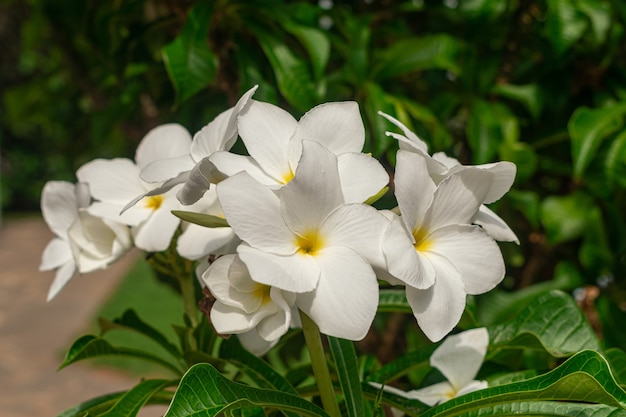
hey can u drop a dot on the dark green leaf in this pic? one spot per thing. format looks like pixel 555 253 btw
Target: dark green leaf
pixel 565 217
pixel 201 219
pixel 564 24
pixel 588 128
pixel 91 346
pixel 190 63
pixel 615 162
pixel 416 54
pixel 93 407
pixel 403 365
pixel 528 95
pixel 205 392
pixel 316 43
pixel 551 322
pixel 617 359
pixel 489 125
pixel 132 401
pixel 347 368
pixel 393 301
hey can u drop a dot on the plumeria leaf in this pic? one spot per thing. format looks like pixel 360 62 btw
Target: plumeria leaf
pixel 410 407
pixel 316 43
pixel 347 368
pixel 393 301
pixel 617 360
pixel 551 322
pixel 566 217
pixel 131 321
pixel 206 220
pixel 415 54
pixel 410 362
pixel 93 407
pixel 615 162
pixel 489 125
pixel 588 128
pixel 257 369
pixel 528 95
pixel 585 377
pixel 90 346
pixel 203 391
pixel 131 402
pixel 190 63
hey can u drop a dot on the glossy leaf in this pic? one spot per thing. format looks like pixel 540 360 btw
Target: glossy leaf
pixel 489 125
pixel 134 399
pixel 93 407
pixel 565 217
pixel 201 219
pixel 90 346
pixel 347 368
pixel 585 377
pixel 588 128
pixel 551 322
pixel 316 43
pixel 203 391
pixel 416 54
pixel 190 64
pixel 406 363
pixel 131 321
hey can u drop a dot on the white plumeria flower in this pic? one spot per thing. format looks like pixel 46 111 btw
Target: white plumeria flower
pixel 432 247
pixel 440 166
pixel 305 239
pixel 197 242
pixel 274 138
pixel 115 182
pixel 83 243
pixel 459 359
pixel 257 313
pixel 190 164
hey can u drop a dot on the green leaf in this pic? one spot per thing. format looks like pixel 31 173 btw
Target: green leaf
pixel 564 218
pixel 408 362
pixel 203 391
pixel 617 360
pixel 588 128
pixel 201 219
pixel 90 346
pixel 523 156
pixel 615 162
pixel 257 369
pixel 489 125
pixel 292 72
pixel 316 43
pixel 585 377
pixel 415 54
pixel 393 301
pixel 551 322
pixel 132 401
pixel 564 24
pixel 528 95
pixel 376 100
pixel 347 368
pixel 93 407
pixel 599 14
pixel 190 63
pixel 131 321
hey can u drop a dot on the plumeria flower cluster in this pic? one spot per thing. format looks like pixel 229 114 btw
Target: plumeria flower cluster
pixel 298 233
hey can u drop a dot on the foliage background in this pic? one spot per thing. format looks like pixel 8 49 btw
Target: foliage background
pixel 539 83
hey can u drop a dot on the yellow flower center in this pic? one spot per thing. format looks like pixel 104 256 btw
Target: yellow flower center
pixel 309 243
pixel 263 292
pixel 154 202
pixel 421 243
pixel 288 176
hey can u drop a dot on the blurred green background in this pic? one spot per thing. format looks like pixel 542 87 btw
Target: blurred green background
pixel 538 83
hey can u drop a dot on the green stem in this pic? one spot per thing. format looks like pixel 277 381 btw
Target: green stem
pixel 318 362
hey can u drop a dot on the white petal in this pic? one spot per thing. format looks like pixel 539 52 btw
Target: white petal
pixel 503 177
pixel 230 164
pixel 196 183
pixel 253 211
pixel 218 279
pixel 221 133
pixel 473 253
pixel 337 126
pixel 414 189
pixel 56 253
pixel 196 241
pixel 132 216
pixel 457 198
pixel 231 320
pixel 413 142
pixel 156 233
pixel 358 227
pixel 353 168
pixel 296 273
pixel 266 130
pixel 115 180
pixel 164 169
pixel 62 277
pixel 163 142
pixel 403 261
pixel 161 189
pixel 460 356
pixel 59 206
pixel 439 308
pixel 494 225
pixel 471 387
pixel 276 325
pixel 314 192
pixel 346 298
pixel 433 394
pixel 255 343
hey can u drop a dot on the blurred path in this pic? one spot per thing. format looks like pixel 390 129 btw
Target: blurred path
pixel 34 334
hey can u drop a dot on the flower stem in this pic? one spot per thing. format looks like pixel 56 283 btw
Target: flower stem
pixel 318 362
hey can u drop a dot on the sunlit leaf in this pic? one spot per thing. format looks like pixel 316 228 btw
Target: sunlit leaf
pixel 316 43
pixel 190 63
pixel 565 217
pixel 134 399
pixel 203 391
pixel 564 24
